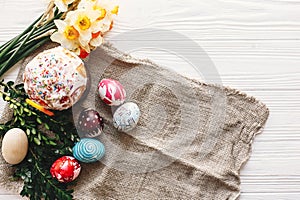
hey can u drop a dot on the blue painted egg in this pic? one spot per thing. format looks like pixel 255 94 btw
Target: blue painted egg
pixel 88 150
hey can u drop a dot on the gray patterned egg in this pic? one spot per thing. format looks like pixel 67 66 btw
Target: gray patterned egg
pixel 88 150
pixel 126 117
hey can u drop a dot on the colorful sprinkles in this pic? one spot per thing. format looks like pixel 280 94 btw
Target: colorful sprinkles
pixel 55 79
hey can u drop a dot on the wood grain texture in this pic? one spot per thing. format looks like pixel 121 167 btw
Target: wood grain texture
pixel 254 45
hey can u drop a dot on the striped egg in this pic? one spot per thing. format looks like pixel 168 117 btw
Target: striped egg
pixel 88 150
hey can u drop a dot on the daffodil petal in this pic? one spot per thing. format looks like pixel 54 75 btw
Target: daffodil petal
pixel 85 38
pixel 86 48
pixel 56 37
pixel 97 41
pixel 61 5
pixel 59 38
pixel 60 24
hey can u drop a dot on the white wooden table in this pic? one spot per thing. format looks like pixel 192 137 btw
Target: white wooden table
pixel 255 46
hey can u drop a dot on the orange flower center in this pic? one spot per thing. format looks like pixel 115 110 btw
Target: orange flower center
pixel 83 22
pixel 115 10
pixel 102 10
pixel 71 33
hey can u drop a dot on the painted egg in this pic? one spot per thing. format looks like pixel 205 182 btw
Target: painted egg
pixel 56 78
pixel 88 150
pixel 111 92
pixel 65 169
pixel 14 146
pixel 90 123
pixel 126 117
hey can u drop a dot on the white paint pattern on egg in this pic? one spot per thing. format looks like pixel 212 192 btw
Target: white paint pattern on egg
pixel 111 92
pixel 126 117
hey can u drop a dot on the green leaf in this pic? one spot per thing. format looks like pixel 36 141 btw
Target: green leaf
pixel 37 141
pixel 39 120
pixel 52 143
pixel 47 126
pixel 33 131
pixel 44 138
pixel 15 119
pixel 10 83
pixel 39 136
pixel 22 121
pixel 21 111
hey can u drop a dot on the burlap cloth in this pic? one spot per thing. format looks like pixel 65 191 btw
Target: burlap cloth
pixel 190 143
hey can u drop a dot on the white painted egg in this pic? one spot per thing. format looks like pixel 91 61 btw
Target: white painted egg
pixel 126 117
pixel 14 146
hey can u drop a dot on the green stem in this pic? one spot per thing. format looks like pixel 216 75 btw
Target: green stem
pixel 37 32
pixel 29 42
pixel 14 41
pixel 6 44
pixel 10 52
pixel 21 45
pixel 23 53
pixel 50 22
pixel 6 47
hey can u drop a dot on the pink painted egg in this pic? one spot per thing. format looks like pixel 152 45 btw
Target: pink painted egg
pixel 111 92
pixel 65 169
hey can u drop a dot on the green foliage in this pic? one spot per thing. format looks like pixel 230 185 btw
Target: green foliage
pixel 49 138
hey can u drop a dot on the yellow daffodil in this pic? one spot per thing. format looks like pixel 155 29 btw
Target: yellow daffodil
pixel 62 5
pixel 85 22
pixel 109 5
pixel 110 9
pixel 82 29
pixel 66 35
pixel 106 9
pixel 115 11
pixel 93 4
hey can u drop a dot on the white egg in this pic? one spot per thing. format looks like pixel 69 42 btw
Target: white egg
pixel 14 146
pixel 126 117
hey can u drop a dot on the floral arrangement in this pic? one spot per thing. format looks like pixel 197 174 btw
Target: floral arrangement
pixel 78 25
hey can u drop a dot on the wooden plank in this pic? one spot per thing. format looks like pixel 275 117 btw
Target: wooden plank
pixel 272 195
pixel 10 197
